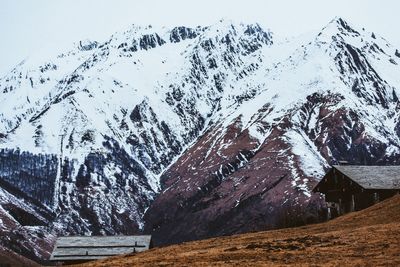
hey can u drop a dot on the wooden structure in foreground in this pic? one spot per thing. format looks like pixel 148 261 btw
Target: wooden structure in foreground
pixel 79 249
pixel 351 188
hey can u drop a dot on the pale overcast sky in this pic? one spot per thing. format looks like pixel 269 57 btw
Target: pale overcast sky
pixel 27 26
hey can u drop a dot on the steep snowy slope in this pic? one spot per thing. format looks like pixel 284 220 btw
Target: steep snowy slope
pixel 221 129
pixel 107 119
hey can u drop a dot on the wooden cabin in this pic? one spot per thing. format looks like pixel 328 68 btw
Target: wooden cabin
pixel 79 249
pixel 351 188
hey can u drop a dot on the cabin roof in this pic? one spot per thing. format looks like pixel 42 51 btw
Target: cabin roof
pixel 372 177
pixel 73 248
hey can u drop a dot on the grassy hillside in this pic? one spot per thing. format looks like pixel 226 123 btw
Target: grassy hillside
pixel 365 238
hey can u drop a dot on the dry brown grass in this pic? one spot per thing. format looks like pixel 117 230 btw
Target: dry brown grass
pixel 367 238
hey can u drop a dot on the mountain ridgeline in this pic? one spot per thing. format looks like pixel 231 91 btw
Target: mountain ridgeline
pixel 187 133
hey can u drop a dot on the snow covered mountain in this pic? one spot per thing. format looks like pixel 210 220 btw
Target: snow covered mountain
pixel 194 132
pixel 318 100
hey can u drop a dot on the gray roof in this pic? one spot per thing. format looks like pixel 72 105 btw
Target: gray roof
pixel 97 247
pixel 372 177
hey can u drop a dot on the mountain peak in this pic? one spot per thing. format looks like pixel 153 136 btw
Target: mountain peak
pixel 340 26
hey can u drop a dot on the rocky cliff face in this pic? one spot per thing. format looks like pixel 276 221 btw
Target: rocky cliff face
pixel 24 224
pixel 195 132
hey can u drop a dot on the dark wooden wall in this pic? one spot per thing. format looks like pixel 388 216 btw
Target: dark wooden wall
pixel 344 195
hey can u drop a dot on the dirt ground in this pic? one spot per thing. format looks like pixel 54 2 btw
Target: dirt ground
pixel 366 238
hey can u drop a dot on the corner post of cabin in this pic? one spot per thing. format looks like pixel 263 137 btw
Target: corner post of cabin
pixel 352 204
pixel 329 214
pixel 376 197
